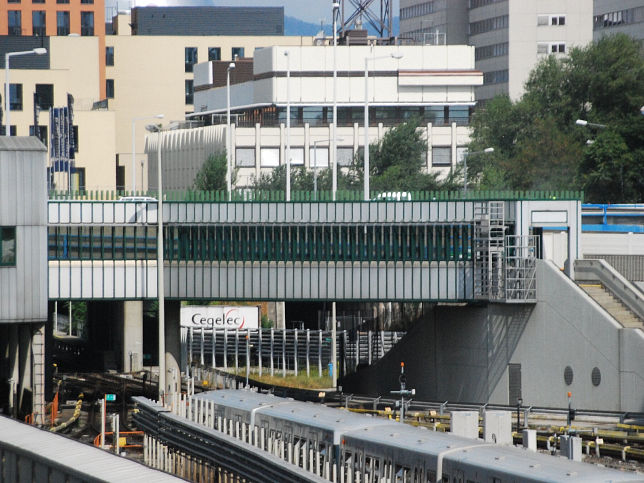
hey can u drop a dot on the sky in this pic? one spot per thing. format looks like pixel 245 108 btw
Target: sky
pixel 308 10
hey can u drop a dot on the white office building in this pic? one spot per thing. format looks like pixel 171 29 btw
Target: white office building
pixel 433 83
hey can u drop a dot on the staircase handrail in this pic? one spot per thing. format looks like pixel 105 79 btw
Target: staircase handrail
pixel 602 271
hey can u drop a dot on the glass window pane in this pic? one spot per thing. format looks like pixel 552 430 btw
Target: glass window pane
pixel 214 53
pixel 345 156
pixel 245 157
pixel 441 156
pixel 190 58
pixel 319 157
pixel 270 157
pixel 435 114
pixel 87 23
pixel 297 156
pixel 109 55
pixel 7 245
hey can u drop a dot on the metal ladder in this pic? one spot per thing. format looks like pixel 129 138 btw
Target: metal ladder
pixel 489 250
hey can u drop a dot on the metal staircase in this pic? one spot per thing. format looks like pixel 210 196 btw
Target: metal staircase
pixel 489 242
pixel 504 265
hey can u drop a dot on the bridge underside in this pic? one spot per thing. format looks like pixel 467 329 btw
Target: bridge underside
pixel 282 281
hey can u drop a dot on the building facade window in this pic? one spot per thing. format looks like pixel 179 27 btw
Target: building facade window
pixel 618 17
pixel 45 96
pixel 545 48
pixel 319 157
pixel 88 2
pixel 12 130
pixel 62 1
pixel 495 77
pixel 490 51
pixel 15 97
pixel 190 91
pixel 13 1
pixel 109 88
pixel 344 155
pixel 14 20
pixel 441 156
pixel 418 10
pixel 191 58
pixel 482 3
pixel 109 55
pixel 489 24
pixel 87 24
pixel 38 23
pixel 37 1
pixel 8 246
pixel 62 23
pixel 214 53
pixel 237 52
pixel 245 157
pixel 269 157
pixel 40 132
pixel 544 20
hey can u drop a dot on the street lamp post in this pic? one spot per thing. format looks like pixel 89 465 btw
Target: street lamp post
pixel 465 156
pixel 288 125
pixel 334 156
pixel 366 118
pixel 229 142
pixel 334 179
pixel 160 287
pixel 158 116
pixel 7 84
pixel 582 122
pixel 519 403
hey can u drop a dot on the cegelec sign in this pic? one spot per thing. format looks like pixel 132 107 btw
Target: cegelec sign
pixel 220 317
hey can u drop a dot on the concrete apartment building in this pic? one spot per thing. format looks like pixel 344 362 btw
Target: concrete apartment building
pixel 510 36
pixel 435 83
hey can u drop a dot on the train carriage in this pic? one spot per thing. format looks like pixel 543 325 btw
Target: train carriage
pixel 347 447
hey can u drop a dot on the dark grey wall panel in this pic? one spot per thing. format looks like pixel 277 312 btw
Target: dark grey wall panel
pixel 10 43
pixel 208 21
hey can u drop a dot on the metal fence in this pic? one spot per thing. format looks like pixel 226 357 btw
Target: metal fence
pixel 285 351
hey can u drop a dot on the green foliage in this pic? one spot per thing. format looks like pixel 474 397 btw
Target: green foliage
pixel 537 144
pixel 266 323
pixel 396 164
pixel 212 175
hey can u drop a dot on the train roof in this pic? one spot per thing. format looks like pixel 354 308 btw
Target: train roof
pixel 411 438
pixel 530 465
pixel 337 421
pixel 510 460
pixel 241 399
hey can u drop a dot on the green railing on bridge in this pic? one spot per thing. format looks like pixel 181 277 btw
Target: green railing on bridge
pixel 249 195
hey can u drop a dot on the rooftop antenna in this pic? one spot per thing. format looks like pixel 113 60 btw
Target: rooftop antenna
pixel 376 13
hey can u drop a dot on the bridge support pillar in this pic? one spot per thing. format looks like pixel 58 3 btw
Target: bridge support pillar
pixel 172 346
pixel 132 327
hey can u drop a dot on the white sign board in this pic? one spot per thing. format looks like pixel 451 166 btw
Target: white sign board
pixel 220 317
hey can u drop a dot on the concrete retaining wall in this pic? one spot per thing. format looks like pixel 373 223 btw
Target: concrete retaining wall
pixel 463 353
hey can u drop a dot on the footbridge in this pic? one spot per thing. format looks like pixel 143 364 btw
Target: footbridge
pixel 445 250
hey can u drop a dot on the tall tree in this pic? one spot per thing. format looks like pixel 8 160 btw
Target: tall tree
pixel 537 144
pixel 212 175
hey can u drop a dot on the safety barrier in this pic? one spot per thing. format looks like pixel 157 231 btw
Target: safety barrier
pixel 194 451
